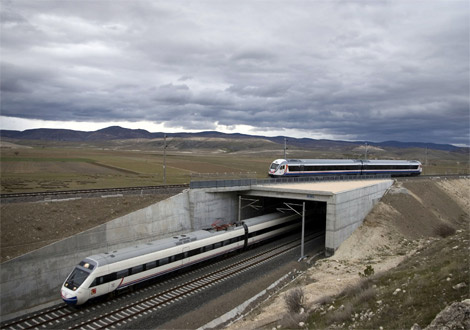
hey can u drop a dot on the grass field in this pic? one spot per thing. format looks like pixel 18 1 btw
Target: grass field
pixel 56 167
pixel 40 169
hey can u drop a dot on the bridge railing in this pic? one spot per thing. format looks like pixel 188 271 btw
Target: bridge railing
pixel 254 182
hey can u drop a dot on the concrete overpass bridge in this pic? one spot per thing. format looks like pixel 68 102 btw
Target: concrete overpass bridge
pixel 341 205
pixel 338 206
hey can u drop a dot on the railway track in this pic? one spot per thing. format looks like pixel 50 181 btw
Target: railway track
pixel 121 316
pixel 29 196
pixel 61 316
pixel 41 319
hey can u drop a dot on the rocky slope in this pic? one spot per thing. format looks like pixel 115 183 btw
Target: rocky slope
pixel 413 219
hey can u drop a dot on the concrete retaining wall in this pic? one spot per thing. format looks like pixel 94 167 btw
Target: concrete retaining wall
pixel 347 210
pixel 35 278
pixel 208 207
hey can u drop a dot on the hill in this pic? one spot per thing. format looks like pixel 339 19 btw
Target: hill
pixel 115 133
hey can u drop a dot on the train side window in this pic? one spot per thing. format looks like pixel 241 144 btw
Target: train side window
pixel 109 278
pixel 163 261
pixel 96 281
pixel 194 252
pixel 122 273
pixel 137 269
pixel 150 265
pixel 179 256
pixel 217 245
pixel 294 168
pixel 208 248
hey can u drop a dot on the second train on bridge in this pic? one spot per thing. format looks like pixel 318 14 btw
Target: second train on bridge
pixel 312 167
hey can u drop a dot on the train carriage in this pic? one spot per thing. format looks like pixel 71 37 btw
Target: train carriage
pixel 270 225
pixel 103 273
pixel 312 167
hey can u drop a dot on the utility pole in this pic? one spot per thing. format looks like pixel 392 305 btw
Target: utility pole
pixel 285 148
pixel 302 239
pixel 366 151
pixel 164 159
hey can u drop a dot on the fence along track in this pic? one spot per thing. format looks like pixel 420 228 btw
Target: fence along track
pixel 121 316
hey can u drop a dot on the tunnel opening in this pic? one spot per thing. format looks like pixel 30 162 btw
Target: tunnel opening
pixel 315 211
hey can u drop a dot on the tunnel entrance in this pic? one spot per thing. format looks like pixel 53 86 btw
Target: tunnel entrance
pixel 315 211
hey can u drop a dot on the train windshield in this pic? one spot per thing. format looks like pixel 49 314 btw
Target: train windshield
pixel 273 166
pixel 76 279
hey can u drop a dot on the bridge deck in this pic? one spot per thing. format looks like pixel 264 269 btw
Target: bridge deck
pixel 327 187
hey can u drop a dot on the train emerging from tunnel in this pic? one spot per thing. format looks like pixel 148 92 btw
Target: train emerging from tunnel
pixel 105 273
pixel 311 167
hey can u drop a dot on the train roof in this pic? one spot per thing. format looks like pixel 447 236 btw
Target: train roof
pixel 349 161
pixel 154 246
pixel 167 243
pixel 323 161
pixel 266 217
pixel 390 161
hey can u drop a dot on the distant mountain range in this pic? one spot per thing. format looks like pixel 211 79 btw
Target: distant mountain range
pixel 119 133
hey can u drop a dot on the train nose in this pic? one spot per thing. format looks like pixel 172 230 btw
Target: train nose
pixel 68 297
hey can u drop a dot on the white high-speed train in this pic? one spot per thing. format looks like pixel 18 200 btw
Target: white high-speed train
pixel 310 167
pixel 104 273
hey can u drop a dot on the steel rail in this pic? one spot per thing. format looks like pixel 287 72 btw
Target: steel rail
pixel 154 302
pixel 61 313
pixel 42 318
pixel 89 191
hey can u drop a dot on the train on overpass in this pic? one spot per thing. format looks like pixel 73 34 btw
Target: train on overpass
pixel 311 167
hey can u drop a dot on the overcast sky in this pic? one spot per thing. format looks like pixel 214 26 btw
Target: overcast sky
pixel 353 70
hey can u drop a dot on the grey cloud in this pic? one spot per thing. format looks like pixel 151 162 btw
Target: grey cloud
pixel 363 71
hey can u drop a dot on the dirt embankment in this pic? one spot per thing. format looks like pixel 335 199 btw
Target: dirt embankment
pixel 409 217
pixel 28 226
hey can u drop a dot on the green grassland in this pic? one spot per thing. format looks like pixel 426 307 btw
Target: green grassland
pixel 43 165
